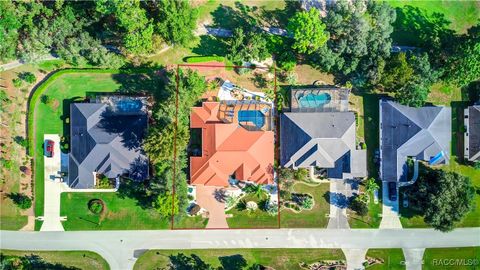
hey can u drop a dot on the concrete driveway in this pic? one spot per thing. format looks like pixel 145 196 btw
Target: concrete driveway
pixel 340 193
pixel 216 208
pixel 390 210
pixel 53 188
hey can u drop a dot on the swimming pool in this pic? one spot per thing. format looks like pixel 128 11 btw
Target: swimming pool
pixel 254 116
pixel 129 105
pixel 313 100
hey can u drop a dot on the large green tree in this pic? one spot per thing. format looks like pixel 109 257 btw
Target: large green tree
pixel 308 31
pixel 359 40
pixel 175 21
pixel 247 46
pixel 9 28
pixel 444 197
pixel 136 29
pixel 463 66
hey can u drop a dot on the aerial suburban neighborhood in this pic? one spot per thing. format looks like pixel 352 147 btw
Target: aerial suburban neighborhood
pixel 253 134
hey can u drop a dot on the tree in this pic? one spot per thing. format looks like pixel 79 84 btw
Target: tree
pixel 308 31
pixel 397 72
pixel 256 190
pixel 166 204
pixel 21 200
pixel 463 66
pixel 247 46
pixel 359 206
pixel 176 21
pixel 183 262
pixel 412 94
pixel 371 185
pixel 137 29
pixel 9 28
pixel 444 197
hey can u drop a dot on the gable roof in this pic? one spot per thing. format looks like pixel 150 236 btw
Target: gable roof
pixel 422 133
pixel 228 148
pixel 322 139
pixel 473 152
pixel 106 143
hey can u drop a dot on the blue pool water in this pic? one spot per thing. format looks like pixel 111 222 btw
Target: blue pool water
pixel 438 157
pixel 129 105
pixel 314 100
pixel 254 116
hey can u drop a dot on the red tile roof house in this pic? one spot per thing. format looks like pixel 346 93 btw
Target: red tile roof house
pixel 229 149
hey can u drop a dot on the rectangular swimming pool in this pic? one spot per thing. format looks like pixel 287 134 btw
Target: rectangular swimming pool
pixel 254 116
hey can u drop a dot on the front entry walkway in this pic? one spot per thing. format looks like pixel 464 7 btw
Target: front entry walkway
pixel 207 197
pixel 340 193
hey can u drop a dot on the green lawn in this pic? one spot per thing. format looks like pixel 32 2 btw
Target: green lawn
pixel 196 222
pixel 84 260
pixel 371 220
pixel 247 219
pixel 314 218
pixel 461 14
pixel 120 213
pixel 393 259
pixel 279 259
pixel 49 119
pixel 441 258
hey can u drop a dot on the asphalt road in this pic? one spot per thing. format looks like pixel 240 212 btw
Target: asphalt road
pixel 120 248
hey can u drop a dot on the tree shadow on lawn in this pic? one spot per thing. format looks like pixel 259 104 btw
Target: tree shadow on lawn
pixel 230 18
pixel 211 46
pixel 280 17
pixel 233 262
pixel 415 27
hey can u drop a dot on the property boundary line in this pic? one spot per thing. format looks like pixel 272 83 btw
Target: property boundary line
pixel 275 113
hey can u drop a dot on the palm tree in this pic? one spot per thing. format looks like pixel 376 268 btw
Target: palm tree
pixel 257 190
pixel 371 185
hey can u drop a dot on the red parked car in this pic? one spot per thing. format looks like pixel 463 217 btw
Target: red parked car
pixel 48 148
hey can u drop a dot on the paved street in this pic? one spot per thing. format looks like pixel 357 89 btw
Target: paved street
pixel 118 247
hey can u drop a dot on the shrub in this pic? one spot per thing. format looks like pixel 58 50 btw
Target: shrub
pixel 21 200
pixel 28 77
pixel 301 174
pixel 194 210
pixel 307 203
pixel 230 201
pixel 17 82
pixel 103 182
pixel 359 206
pixel 21 141
pixel 45 99
pixel 96 206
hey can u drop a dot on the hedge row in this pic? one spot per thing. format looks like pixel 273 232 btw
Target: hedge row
pixel 201 59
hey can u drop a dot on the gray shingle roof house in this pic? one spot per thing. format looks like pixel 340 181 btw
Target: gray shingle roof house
pixel 472 134
pixel 106 140
pixel 321 139
pixel 423 133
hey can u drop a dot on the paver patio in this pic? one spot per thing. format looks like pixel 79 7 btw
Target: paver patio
pixel 216 209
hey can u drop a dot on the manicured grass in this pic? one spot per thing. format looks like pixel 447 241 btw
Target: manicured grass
pixel 62 88
pixel 461 14
pixel 11 218
pixel 371 220
pixel 71 259
pixel 451 258
pixel 196 222
pixel 120 213
pixel 314 218
pixel 279 259
pixel 254 219
pixel 393 259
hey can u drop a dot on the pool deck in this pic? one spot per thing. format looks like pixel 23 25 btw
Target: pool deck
pixel 229 114
pixel 338 100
